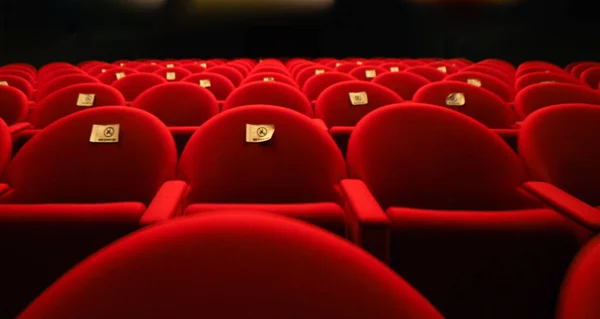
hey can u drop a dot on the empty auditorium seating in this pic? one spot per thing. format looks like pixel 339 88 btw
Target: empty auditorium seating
pixel 17 72
pixel 72 99
pixel 69 196
pixel 445 67
pixel 577 70
pixel 229 72
pixel 269 76
pixel 18 83
pixel 115 74
pixel 271 93
pixel 181 106
pixel 219 85
pixel 463 231
pixel 537 96
pixel 591 77
pixel 173 74
pixel 394 66
pixel 367 72
pixel 97 70
pixel 315 85
pixel 60 82
pixel 405 84
pixel 487 69
pixel 342 105
pixel 261 68
pixel 14 107
pixel 194 67
pixel 149 68
pixel 295 173
pixel 557 145
pixel 430 73
pixel 580 289
pixel 475 102
pixel 133 85
pixel 232 264
pixel 542 77
pixel 488 82
pixel 309 72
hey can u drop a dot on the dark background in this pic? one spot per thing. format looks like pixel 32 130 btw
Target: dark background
pixel 75 30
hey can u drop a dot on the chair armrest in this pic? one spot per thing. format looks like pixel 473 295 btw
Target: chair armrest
pixel 319 123
pixel 19 127
pixel 166 204
pixel 369 225
pixel 569 205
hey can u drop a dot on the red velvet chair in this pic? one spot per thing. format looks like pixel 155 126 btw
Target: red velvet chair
pixel 485 81
pixel 537 96
pixel 133 85
pixel 405 84
pixel 271 93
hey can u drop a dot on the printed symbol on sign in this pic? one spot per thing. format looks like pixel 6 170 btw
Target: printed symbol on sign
pixel 357 98
pixel 87 99
pixel 261 132
pixel 109 132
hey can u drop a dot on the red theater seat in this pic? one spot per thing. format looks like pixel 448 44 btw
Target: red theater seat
pixel 113 75
pixel 488 82
pixel 14 106
pixel 231 265
pixel 5 151
pixel 64 102
pixel 295 173
pixel 405 84
pixel 541 77
pixel 271 69
pixel 18 83
pixel 475 102
pixel 229 72
pixel 537 96
pixel 269 76
pixel 430 73
pixel 557 145
pixel 503 75
pixel 446 67
pixel 61 82
pixel 315 85
pixel 463 231
pixel 219 85
pixel 149 68
pixel 581 67
pixel 173 74
pixel 134 84
pixel 310 72
pixel 23 74
pixel 181 106
pixel 270 93
pixel 194 67
pixel 367 73
pixel 591 77
pixel 97 70
pixel 581 287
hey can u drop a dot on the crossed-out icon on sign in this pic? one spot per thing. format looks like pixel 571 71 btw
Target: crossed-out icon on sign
pixel 109 132
pixel 261 131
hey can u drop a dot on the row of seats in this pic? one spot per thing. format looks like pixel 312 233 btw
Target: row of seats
pixel 436 194
pixel 222 77
pixel 233 264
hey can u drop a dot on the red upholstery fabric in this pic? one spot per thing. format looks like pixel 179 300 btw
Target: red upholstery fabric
pixel 539 77
pixel 275 267
pixel 277 77
pixel 271 93
pixel 500 65
pixel 178 104
pixel 149 68
pixel 220 86
pixel 315 85
pixel 335 109
pixel 296 69
pixel 591 77
pixel 133 85
pixel 486 69
pixel 537 96
pixel 405 84
pixel 300 164
pixel 361 72
pixel 180 73
pixel 193 67
pixel 271 69
pixel 240 67
pixel 229 72
pixel 412 63
pixel 62 82
pixel 541 68
pixel 64 102
pixel 390 65
pixel 18 83
pixel 97 70
pixel 310 72
pixel 581 67
pixel 169 64
pixel 5 146
pixel 16 72
pixel 110 76
pixel 451 68
pixel 420 150
pixel 557 144
pixel 488 82
pixel 480 104
pixel 581 288
pixel 73 170
pixel 430 73
pixel 346 67
pixel 21 66
pixel 14 106
pixel 502 255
